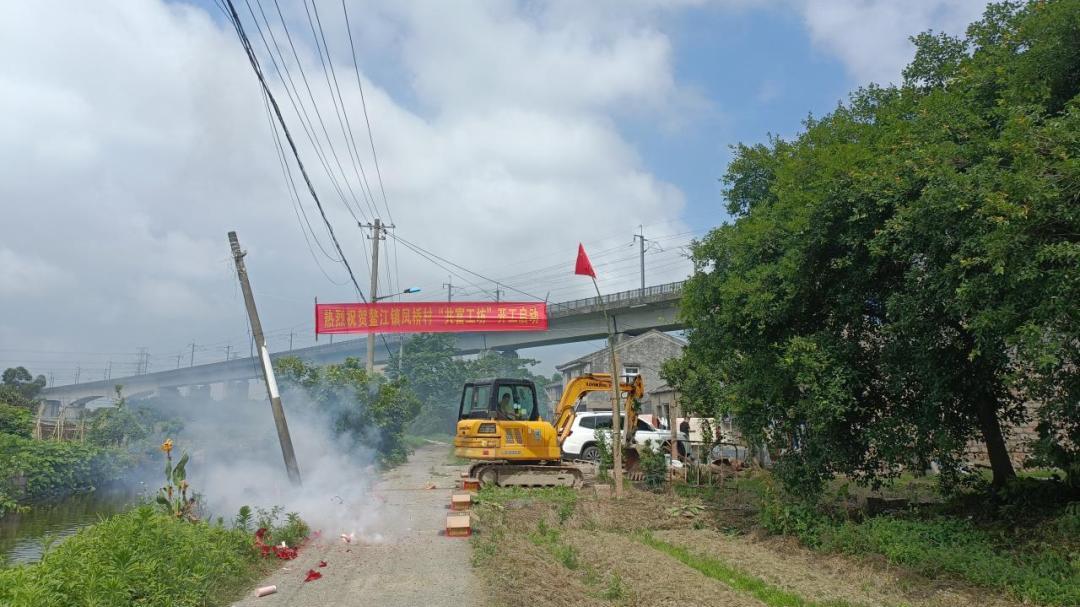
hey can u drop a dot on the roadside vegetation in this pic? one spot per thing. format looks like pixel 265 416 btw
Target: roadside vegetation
pixel 40 472
pixel 160 553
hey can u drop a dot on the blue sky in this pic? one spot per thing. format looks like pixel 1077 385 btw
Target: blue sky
pixel 760 73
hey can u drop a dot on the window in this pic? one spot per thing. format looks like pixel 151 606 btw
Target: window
pixel 516 402
pixel 475 402
pixel 644 426
pixel 631 371
pixel 603 422
pixel 587 422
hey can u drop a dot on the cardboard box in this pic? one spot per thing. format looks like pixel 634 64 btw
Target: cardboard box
pixel 458 524
pixel 460 500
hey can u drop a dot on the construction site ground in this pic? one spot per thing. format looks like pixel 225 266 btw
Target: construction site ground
pixel 560 547
pixel 411 563
pixel 557 547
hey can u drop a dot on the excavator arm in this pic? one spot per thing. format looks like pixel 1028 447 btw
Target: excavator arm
pixel 631 392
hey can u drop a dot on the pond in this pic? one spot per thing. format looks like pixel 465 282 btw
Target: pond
pixel 23 536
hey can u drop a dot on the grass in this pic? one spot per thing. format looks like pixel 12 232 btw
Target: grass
pixel 564 498
pixel 549 538
pixel 936 547
pixel 140 557
pixel 760 589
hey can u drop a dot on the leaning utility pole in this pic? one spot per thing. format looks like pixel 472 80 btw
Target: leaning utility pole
pixel 268 369
pixel 377 230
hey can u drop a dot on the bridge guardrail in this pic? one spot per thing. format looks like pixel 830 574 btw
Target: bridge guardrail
pixel 587 302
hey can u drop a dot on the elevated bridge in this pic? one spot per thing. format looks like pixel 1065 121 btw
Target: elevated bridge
pixel 634 312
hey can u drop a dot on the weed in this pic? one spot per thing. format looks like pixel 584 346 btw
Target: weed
pixel 549 538
pixel 243 519
pixel 614 590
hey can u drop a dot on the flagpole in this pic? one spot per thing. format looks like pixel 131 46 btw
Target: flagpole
pixel 616 411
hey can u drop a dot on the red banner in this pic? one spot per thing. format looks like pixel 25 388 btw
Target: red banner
pixel 430 317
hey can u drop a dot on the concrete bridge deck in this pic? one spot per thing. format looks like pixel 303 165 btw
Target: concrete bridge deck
pixel 634 312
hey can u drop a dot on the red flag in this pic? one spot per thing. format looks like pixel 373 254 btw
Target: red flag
pixel 583 267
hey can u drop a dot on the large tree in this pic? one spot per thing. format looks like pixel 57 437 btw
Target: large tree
pixel 902 277
pixel 19 388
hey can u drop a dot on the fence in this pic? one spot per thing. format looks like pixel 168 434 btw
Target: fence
pixel 657 291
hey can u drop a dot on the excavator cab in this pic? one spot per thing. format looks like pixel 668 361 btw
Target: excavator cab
pixel 499 399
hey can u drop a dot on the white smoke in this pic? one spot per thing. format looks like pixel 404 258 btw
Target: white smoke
pixel 236 461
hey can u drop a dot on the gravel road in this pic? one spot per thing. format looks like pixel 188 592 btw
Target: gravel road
pixel 412 565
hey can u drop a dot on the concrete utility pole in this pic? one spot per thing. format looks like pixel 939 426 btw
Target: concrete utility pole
pixel 377 230
pixel 227 349
pixel 192 364
pixel 449 286
pixel 498 293
pixel 290 340
pixel 641 249
pixel 268 369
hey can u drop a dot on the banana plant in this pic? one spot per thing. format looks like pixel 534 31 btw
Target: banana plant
pixel 173 497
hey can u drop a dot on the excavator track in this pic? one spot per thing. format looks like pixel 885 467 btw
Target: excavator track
pixel 503 474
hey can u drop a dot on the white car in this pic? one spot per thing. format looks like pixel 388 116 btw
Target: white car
pixel 581 443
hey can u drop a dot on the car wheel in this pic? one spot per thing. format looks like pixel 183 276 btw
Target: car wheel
pixel 591 453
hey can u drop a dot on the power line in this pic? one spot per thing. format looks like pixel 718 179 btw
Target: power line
pixel 239 27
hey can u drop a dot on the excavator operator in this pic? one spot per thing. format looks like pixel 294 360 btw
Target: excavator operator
pixel 508 408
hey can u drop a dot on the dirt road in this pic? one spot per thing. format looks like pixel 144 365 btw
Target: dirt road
pixel 412 565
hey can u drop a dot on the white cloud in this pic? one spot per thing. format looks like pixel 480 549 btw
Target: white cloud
pixel 135 138
pixel 25 275
pixel 871 36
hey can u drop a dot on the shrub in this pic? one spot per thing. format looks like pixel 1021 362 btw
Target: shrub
pixel 37 471
pixel 653 466
pixel 16 421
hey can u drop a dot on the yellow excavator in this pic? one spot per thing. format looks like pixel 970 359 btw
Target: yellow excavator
pixel 500 428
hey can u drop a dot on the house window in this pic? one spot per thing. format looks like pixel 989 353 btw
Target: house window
pixel 631 371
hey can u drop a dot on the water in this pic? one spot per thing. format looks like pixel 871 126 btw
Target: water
pixel 23 536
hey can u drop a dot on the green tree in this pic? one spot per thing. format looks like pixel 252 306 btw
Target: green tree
pixel 901 278
pixel 116 426
pixel 20 389
pixel 436 374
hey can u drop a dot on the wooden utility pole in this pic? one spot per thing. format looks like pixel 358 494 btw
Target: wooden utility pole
pixel 616 418
pixel 673 419
pixel 264 358
pixel 377 229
